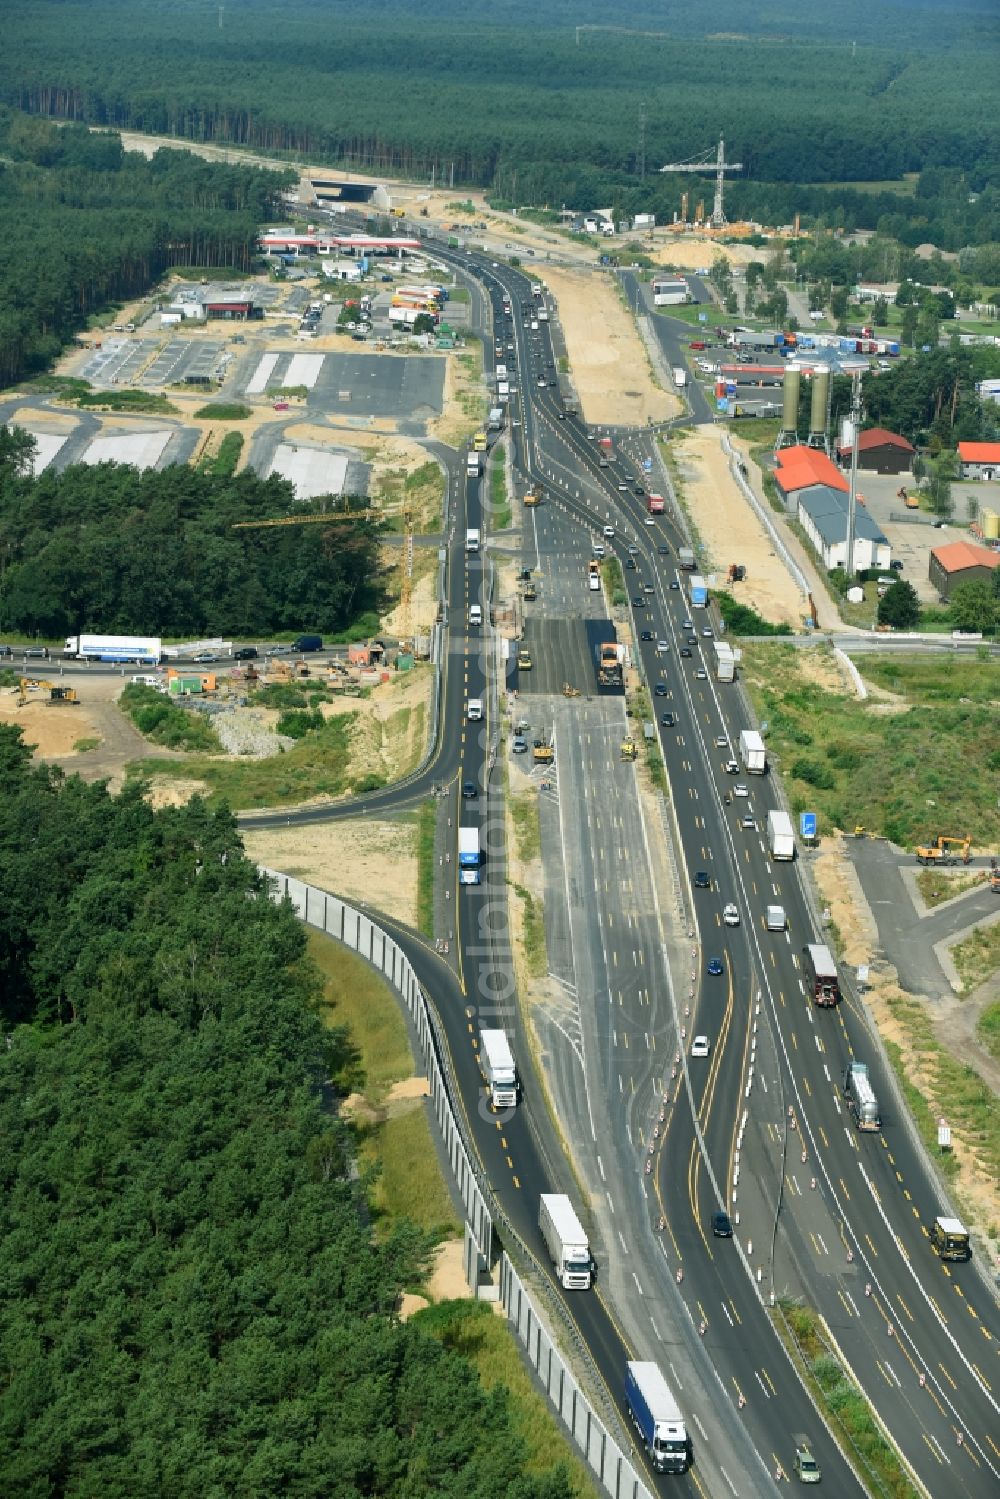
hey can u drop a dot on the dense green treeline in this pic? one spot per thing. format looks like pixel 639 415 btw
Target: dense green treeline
pixel 537 110
pixel 87 224
pixel 191 1300
pixel 108 549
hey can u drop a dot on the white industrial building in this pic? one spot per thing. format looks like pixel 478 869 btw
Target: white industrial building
pixel 822 514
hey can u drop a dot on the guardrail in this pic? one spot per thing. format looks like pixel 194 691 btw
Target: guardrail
pixel 591 1435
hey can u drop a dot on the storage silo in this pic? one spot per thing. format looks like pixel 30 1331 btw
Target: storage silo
pixel 818 408
pixel 790 406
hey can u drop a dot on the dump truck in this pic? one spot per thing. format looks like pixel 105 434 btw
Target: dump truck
pixel 469 856
pixel 780 838
pixel 753 756
pixel 657 1417
pixel 535 495
pixel 820 973
pixel 609 664
pixel 950 1239
pixel 566 1241
pixel 655 504
pixel 497 1062
pixel 543 753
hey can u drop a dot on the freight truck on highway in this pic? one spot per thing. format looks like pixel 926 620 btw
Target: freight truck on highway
pixel 472 540
pixel 685 559
pixel 725 661
pixel 780 838
pixel 657 1417
pixel 608 659
pixel 680 376
pixel 142 650
pixel 697 591
pixel 474 464
pixel 654 504
pixel 753 756
pixel 469 856
pixel 861 1097
pixel 821 974
pixel 566 1241
pixel 497 1062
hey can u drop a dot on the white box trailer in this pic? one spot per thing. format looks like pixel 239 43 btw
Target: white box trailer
pixel 753 756
pixel 565 1240
pixel 725 661
pixel 780 837
pixel 497 1062
pixel 142 650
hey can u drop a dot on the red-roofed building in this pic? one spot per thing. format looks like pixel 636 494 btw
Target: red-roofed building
pixel 960 562
pixel 802 468
pixel 980 460
pixel 879 452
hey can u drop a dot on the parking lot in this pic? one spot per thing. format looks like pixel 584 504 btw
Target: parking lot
pixel 912 533
pixel 410 387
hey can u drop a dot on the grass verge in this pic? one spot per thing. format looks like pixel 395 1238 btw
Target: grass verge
pixel 472 1329
pixel 500 517
pixel 409 1184
pixel 936 886
pixel 978 956
pixel 533 917
pixel 83 745
pixel 934 1083
pixel 224 463
pixel 893 771
pixel 426 867
pixel 527 827
pixel 849 1414
pixel 362 1003
pixel 989 1029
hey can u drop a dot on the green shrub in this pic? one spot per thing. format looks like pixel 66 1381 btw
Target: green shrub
pixel 813 774
pixel 296 724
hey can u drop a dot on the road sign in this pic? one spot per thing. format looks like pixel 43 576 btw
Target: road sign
pixel 807 824
pixel 703 317
pixel 944 1135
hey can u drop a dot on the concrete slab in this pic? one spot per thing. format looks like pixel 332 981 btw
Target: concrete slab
pixel 313 471
pixel 303 369
pixel 140 449
pixel 48 445
pixel 265 369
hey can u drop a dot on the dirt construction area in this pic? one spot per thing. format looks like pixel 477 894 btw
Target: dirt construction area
pixel 362 861
pixel 609 365
pixel 731 531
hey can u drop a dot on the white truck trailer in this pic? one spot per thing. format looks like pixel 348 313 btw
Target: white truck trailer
pixel 472 540
pixel 565 1240
pixel 497 1062
pixel 780 837
pixel 680 376
pixel 753 756
pixel 725 661
pixel 469 856
pixel 142 650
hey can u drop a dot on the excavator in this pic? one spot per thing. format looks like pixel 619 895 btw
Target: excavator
pixel 57 694
pixel 940 851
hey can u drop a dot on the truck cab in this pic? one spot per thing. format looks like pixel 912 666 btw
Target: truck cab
pixel 950 1239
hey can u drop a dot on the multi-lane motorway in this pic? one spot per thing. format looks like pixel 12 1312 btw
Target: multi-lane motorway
pixel 852 1212
pixel 758 1127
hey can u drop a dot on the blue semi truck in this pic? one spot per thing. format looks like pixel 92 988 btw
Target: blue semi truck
pixel 657 1417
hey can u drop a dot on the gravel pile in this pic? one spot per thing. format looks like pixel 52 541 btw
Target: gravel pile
pixel 241 733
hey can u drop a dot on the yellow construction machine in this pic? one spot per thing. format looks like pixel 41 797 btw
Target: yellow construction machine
pixel 56 695
pixel 570 691
pixel 939 852
pixel 629 749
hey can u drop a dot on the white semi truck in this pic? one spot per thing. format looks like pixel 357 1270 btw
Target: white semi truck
pixel 780 837
pixel 497 1061
pixel 753 756
pixel 566 1241
pixel 142 650
pixel 469 856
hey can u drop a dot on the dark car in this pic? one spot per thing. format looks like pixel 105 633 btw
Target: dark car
pixel 469 790
pixel 309 643
pixel 245 653
pixel 674 583
pixel 638 489
pixel 714 967
pixel 639 600
pixel 721 1226
pixel 6 652
pixel 685 650
pixel 896 565
pixel 646 635
pixel 702 881
pixel 663 551
pixel 660 689
pixel 667 720
pixel 630 564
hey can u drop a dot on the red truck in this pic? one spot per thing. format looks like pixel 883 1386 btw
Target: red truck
pixel 654 504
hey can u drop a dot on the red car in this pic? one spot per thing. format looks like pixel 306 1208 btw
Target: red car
pixel 698 345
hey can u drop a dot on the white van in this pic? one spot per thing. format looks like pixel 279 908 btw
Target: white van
pixel 775 919
pixel 474 709
pixel 475 614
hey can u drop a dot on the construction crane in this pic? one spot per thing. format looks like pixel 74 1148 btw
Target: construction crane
pixel 303 520
pixel 705 164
